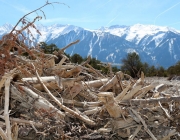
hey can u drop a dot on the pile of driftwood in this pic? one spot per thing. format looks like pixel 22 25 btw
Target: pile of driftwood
pixel 45 96
pixel 41 99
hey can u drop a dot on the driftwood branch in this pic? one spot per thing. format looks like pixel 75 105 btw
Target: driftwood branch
pixel 6 108
pixel 38 101
pixel 86 120
pixel 29 14
pixel 111 82
pixel 3 135
pixel 63 49
pixel 143 102
pixel 17 120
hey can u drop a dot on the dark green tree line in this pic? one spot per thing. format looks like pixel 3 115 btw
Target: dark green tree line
pixel 132 65
pixel 174 70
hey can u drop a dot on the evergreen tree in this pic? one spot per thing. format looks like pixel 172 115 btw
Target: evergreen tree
pixel 152 71
pixel 145 69
pixel 76 58
pixel 174 70
pixel 132 64
pixel 115 69
pixel 48 48
pixel 94 63
pixel 161 72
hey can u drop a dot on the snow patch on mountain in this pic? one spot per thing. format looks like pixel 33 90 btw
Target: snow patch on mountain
pixel 91 48
pixel 158 38
pixel 130 50
pixel 153 58
pixel 6 28
pixel 171 46
pixel 137 31
pixel 175 57
pixel 117 50
pixel 51 32
pixel 111 57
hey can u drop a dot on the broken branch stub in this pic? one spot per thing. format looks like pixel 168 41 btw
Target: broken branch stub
pixel 111 105
pixel 111 82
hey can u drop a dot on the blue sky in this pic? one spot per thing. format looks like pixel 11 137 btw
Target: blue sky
pixel 93 14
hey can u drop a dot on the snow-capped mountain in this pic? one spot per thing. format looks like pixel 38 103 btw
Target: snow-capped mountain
pixel 156 45
pixel 6 28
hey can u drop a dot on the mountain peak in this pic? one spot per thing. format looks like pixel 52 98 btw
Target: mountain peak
pixel 153 28
pixel 117 26
pixel 6 28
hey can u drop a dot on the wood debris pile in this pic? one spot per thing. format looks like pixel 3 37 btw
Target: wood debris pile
pixel 45 96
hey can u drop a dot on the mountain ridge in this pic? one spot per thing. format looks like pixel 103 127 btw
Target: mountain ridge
pixel 156 45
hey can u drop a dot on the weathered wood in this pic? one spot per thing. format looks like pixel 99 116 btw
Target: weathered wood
pixel 17 120
pixel 144 124
pixel 7 75
pixel 110 83
pixel 123 93
pixel 14 130
pixel 38 101
pixel 85 119
pixel 111 105
pixel 64 48
pixel 143 102
pixel 95 83
pixel 142 92
pixel 87 61
pixel 135 132
pixel 121 123
pixel 133 91
pixel 94 71
pixel 66 74
pixel 6 107
pixel 80 104
pixel 135 88
pixel 67 81
pixel 92 111
pixel 160 88
pixel 3 134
